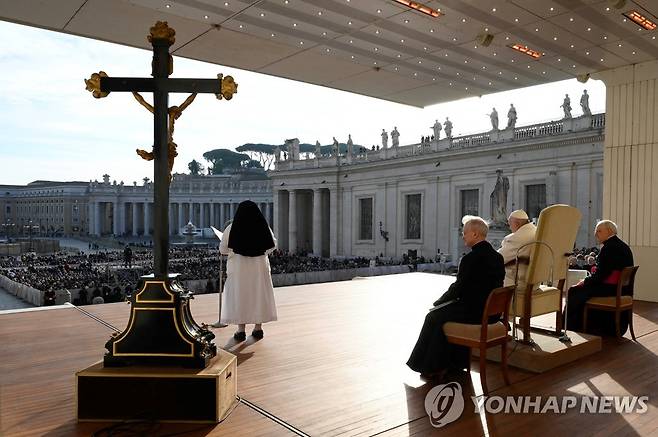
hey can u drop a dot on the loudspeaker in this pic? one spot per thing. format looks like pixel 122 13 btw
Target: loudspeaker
pixel 617 4
pixel 485 39
pixel 583 77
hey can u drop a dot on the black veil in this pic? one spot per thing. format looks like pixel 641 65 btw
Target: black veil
pixel 250 235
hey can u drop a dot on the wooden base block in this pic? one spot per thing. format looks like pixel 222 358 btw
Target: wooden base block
pixel 548 352
pixel 167 394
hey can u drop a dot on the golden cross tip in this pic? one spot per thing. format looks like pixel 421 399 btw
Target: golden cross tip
pixel 93 85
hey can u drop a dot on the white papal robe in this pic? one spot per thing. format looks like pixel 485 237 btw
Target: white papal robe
pixel 248 293
pixel 510 245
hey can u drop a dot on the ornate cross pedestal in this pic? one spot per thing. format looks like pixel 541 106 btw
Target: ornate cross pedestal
pixel 161 329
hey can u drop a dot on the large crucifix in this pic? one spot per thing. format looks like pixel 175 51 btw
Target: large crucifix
pixel 164 149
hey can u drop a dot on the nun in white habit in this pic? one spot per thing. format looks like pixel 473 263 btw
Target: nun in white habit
pixel 248 294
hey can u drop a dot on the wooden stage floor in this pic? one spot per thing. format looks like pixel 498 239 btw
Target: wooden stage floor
pixel 333 364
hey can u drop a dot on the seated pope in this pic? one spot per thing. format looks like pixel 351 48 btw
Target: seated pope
pixel 523 233
pixel 613 257
pixel 480 271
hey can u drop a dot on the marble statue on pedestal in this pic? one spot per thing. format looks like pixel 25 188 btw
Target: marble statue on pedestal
pixel 499 199
pixel 350 145
pixel 584 103
pixel 335 150
pixel 395 137
pixel 437 130
pixel 494 119
pixel 384 139
pixel 447 127
pixel 511 117
pixel 566 106
pixel 318 150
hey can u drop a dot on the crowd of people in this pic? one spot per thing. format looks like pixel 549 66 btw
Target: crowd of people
pixel 111 274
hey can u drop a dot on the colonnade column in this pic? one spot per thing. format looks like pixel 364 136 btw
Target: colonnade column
pixel 317 222
pixel 333 222
pixel 98 219
pixel 292 221
pixel 212 214
pixel 147 220
pixel 180 219
pixel 135 219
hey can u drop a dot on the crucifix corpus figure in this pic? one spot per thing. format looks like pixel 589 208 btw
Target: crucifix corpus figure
pixel 174 113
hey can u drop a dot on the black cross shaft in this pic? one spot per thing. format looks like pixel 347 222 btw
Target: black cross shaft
pixel 160 85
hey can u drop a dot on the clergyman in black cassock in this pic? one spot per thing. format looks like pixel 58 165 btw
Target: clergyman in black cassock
pixel 480 271
pixel 613 257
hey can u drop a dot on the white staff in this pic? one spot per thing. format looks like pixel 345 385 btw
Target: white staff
pixel 218 323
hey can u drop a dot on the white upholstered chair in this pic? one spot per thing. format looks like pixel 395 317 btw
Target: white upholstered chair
pixel 557 228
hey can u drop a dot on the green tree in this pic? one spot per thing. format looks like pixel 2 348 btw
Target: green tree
pixel 222 159
pixel 195 167
pixel 263 153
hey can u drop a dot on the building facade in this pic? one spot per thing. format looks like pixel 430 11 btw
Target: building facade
pixel 104 208
pixel 389 201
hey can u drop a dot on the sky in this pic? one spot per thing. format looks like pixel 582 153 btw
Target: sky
pixel 53 129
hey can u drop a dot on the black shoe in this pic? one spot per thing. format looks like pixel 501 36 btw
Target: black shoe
pixel 258 334
pixel 240 336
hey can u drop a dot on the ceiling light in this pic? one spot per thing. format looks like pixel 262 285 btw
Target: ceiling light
pixel 349 23
pixel 327 50
pixel 516 78
pixel 351 41
pixel 319 12
pixel 420 8
pixel 379 11
pixel 516 20
pixel 555 38
pixel 571 19
pixel 396 68
pixel 431 30
pixel 434 78
pixel 552 9
pixel 601 59
pixel 589 29
pixel 226 3
pixel 536 29
pixel 425 48
pixel 415 74
pixel 633 52
pixel 454 39
pixel 377 31
pixel 272 35
pixel 324 33
pixel 167 6
pixel 587 53
pixel 376 49
pixel 375 63
pixel 605 37
pixel 493 9
pixel 241 26
pixel 399 55
pixel 524 49
pixel 352 56
pixel 420 62
pixel 640 20
pixel 294 24
pixel 206 17
pixel 262 14
pixel 402 40
pixel 495 54
pixel 489 83
pixel 301 43
pixel 463 20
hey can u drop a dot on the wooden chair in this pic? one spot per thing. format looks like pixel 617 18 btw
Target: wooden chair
pixel 618 303
pixel 542 291
pixel 486 335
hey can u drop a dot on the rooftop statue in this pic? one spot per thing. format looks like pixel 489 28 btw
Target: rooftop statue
pixel 494 119
pixel 511 117
pixel 437 130
pixel 566 106
pixel 584 103
pixel 447 127
pixel 384 139
pixel 395 137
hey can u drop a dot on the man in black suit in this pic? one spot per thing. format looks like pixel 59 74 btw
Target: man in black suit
pixel 480 271
pixel 614 256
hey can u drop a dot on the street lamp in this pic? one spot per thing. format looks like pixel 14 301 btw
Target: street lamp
pixel 7 228
pixel 29 227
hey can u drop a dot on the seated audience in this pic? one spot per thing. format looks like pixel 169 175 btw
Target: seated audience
pixel 480 271
pixel 613 257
